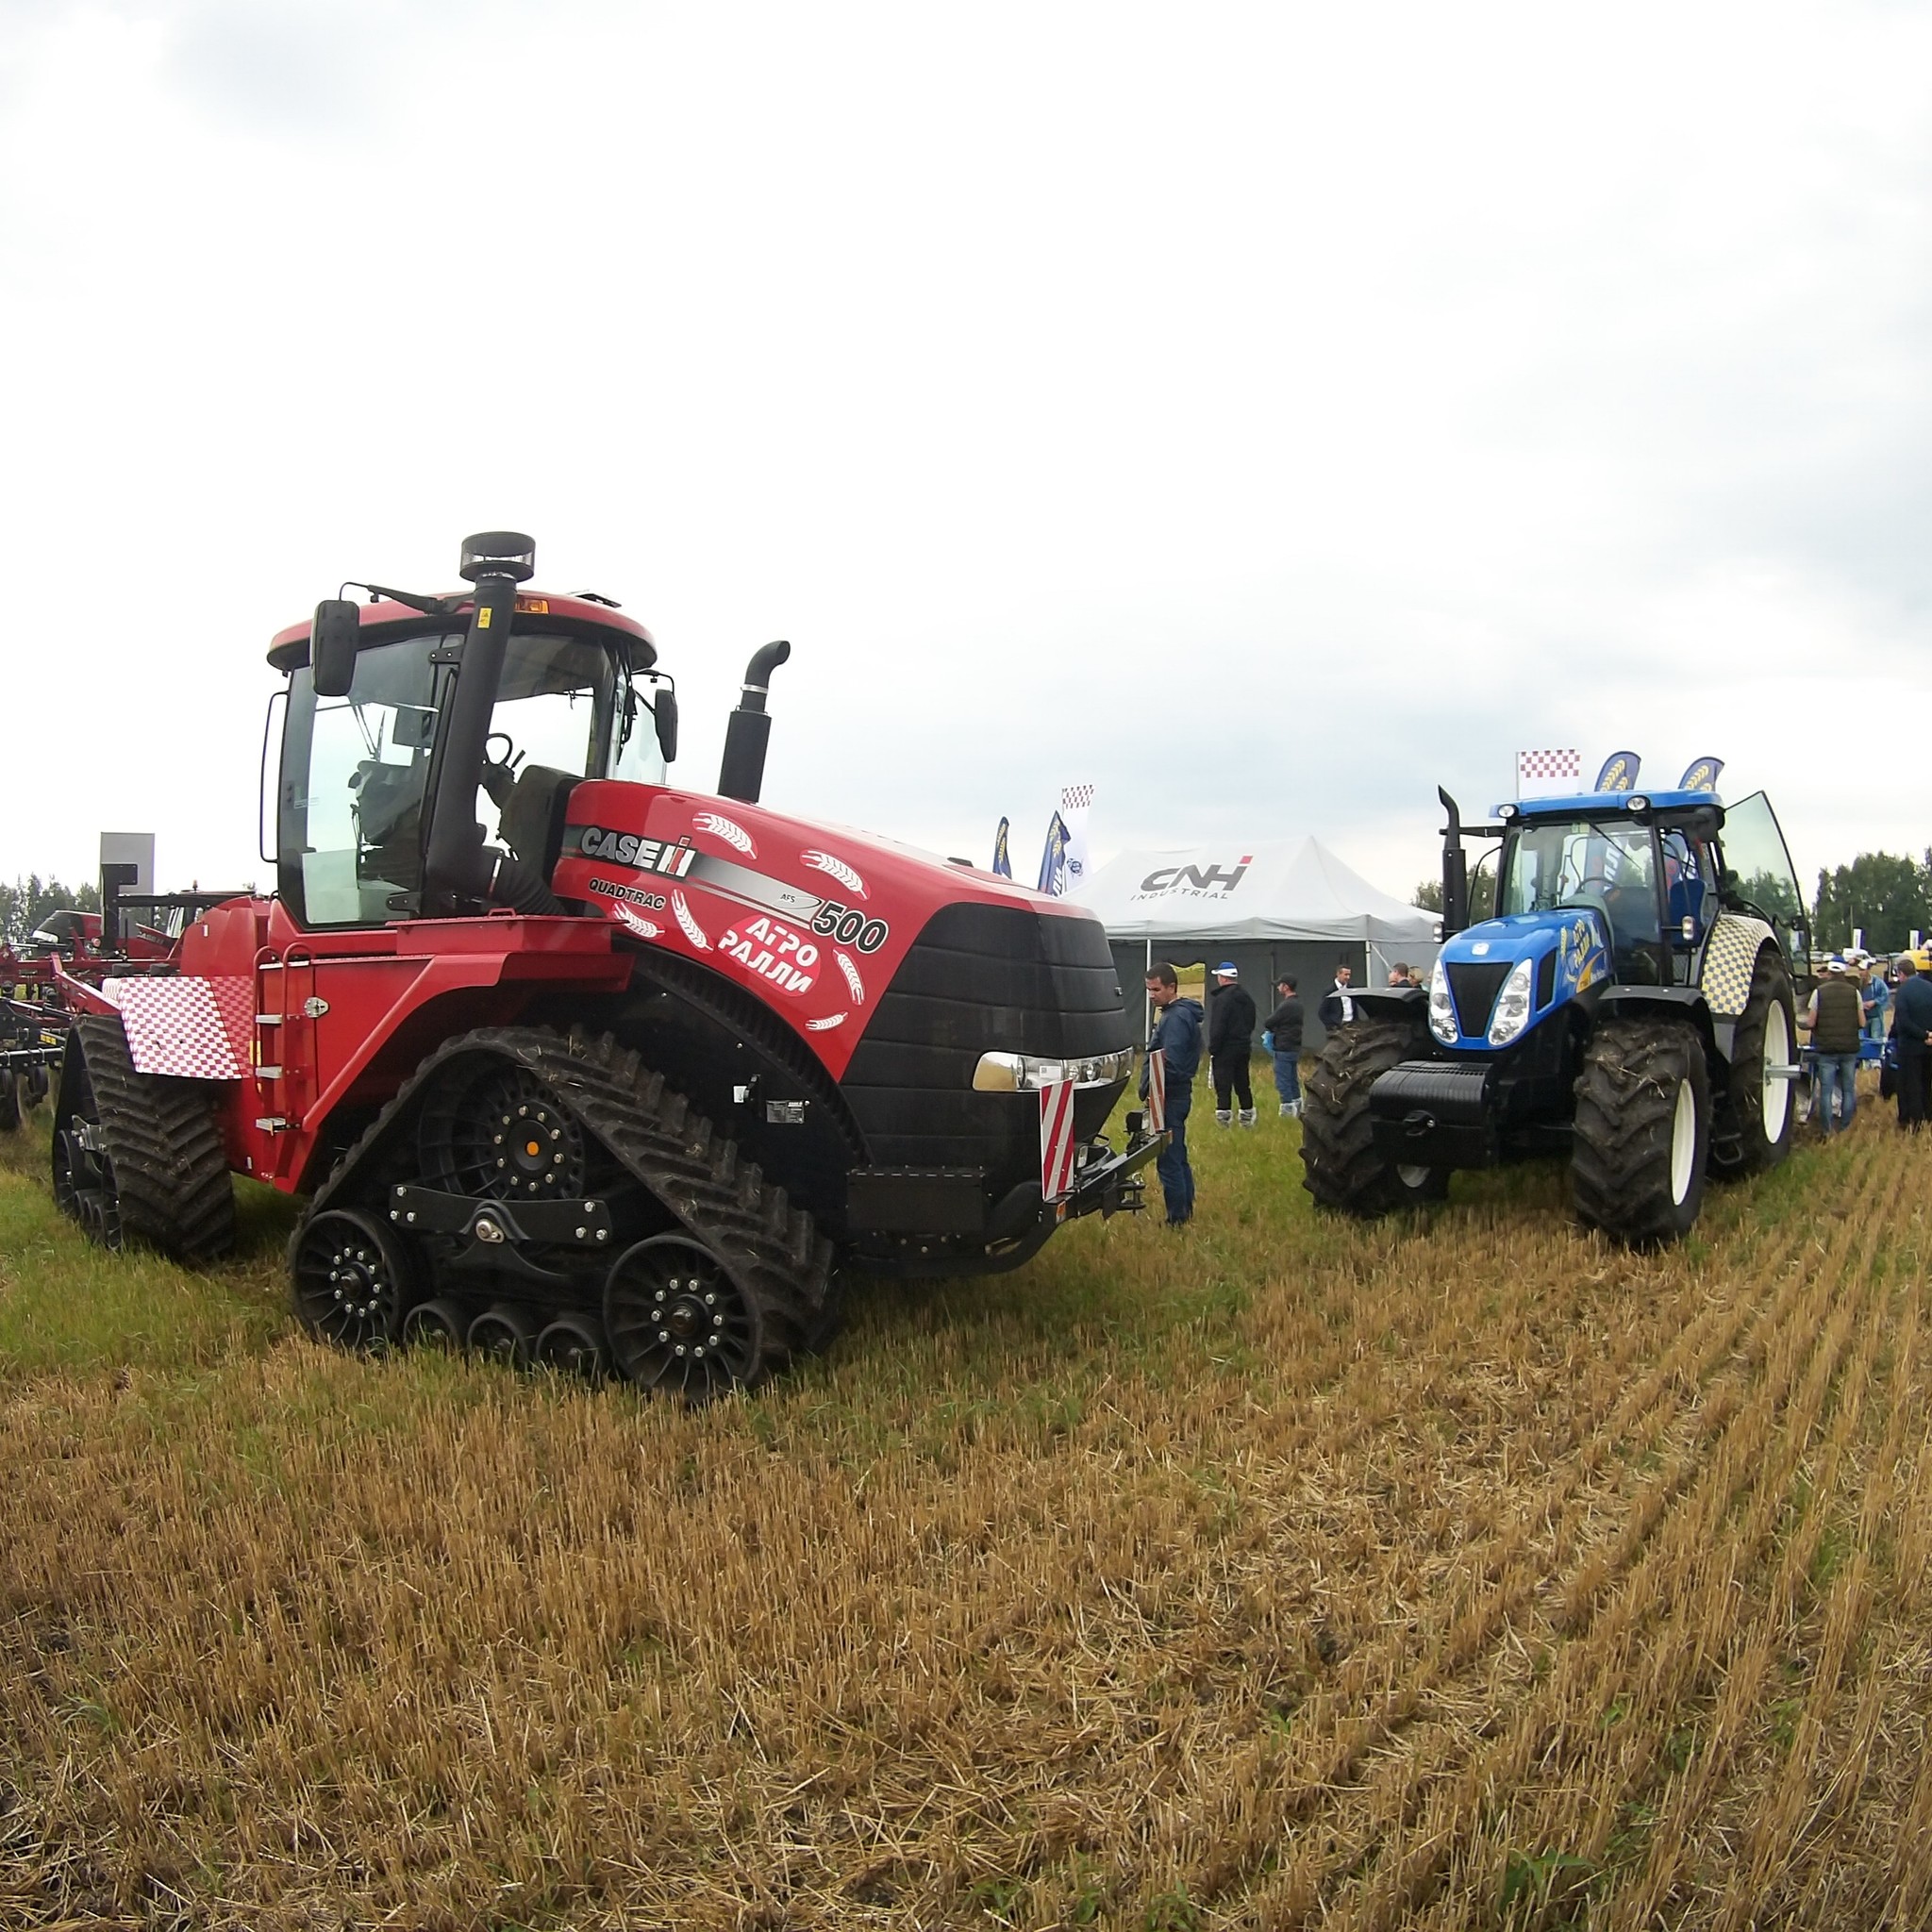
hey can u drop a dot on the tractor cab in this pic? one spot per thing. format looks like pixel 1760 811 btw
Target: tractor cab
pixel 378 753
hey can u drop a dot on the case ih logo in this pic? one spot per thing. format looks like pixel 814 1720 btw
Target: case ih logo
pixel 1194 881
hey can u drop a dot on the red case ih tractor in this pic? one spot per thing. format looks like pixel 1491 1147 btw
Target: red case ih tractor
pixel 573 1065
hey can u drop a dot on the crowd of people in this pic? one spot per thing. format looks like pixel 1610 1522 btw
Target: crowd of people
pixel 1858 999
pixel 1861 1001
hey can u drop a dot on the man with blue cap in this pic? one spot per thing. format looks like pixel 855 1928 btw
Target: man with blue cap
pixel 1230 1045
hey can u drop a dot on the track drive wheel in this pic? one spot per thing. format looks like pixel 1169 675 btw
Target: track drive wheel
pixel 1642 1131
pixel 138 1156
pixel 681 1321
pixel 1756 1111
pixel 1343 1168
pixel 352 1279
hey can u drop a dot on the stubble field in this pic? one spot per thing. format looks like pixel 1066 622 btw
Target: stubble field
pixel 1282 1573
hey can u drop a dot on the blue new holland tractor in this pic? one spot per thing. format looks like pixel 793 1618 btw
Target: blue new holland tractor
pixel 1629 1004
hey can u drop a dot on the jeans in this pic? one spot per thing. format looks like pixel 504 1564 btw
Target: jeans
pixel 1835 1071
pixel 1288 1077
pixel 1177 1176
pixel 1877 1026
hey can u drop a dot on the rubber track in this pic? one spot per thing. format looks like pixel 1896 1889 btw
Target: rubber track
pixel 1626 1100
pixel 1342 1167
pixel 774 1250
pixel 170 1170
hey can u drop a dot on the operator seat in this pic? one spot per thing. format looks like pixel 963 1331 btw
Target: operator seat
pixel 531 822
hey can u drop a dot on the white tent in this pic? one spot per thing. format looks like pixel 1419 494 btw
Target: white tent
pixel 1284 889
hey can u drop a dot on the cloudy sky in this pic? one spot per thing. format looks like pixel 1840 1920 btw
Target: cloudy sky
pixel 1263 413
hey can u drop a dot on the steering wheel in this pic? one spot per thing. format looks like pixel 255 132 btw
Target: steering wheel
pixel 500 773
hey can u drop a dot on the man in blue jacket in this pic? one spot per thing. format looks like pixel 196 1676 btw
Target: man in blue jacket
pixel 1177 1038
pixel 1911 1024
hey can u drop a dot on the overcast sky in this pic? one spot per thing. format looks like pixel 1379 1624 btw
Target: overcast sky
pixel 1263 413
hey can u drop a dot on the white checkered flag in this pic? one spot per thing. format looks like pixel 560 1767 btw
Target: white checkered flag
pixel 1076 802
pixel 1548 774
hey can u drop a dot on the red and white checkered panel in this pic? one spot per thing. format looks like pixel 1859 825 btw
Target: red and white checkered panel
pixel 195 1029
pixel 1075 797
pixel 1545 773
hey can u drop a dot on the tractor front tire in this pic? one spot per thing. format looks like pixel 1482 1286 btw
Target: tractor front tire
pixel 138 1156
pixel 1756 1114
pixel 1642 1131
pixel 1344 1169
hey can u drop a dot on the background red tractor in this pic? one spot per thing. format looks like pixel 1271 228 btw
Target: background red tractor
pixel 574 1064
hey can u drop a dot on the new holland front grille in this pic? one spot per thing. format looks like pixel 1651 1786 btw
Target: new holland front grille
pixel 1473 985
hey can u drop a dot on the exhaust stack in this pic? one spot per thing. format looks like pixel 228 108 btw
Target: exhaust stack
pixel 748 730
pixel 1454 870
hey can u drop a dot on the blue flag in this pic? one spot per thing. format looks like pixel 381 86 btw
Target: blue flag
pixel 1001 862
pixel 1618 772
pixel 1053 862
pixel 1701 776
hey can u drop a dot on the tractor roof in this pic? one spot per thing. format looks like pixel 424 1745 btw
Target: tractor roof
pixel 1593 805
pixel 384 619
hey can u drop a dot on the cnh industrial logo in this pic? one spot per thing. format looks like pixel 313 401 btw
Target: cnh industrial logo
pixel 1194 881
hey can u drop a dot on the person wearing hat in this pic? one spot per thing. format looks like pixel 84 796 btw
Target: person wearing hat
pixel 1875 996
pixel 1836 1017
pixel 1283 1038
pixel 1230 1045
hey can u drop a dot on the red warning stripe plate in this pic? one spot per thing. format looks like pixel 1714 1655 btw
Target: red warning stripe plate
pixel 1056 1140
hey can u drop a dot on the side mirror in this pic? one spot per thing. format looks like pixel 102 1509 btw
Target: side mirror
pixel 332 645
pixel 665 707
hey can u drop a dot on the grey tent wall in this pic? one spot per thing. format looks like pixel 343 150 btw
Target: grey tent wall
pixel 1261 963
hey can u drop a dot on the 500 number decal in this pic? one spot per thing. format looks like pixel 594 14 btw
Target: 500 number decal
pixel 850 928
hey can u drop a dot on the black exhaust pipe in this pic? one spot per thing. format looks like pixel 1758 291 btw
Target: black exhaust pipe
pixel 748 730
pixel 1454 870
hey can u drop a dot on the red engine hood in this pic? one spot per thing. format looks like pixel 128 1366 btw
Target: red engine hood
pixel 814 920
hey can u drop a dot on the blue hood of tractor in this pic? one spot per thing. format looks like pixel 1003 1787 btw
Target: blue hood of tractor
pixel 1567 949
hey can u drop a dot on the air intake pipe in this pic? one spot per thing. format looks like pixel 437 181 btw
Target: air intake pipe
pixel 456 867
pixel 748 730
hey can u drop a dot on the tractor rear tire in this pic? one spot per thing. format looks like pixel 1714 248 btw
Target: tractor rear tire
pixel 1642 1131
pixel 158 1173
pixel 1755 1114
pixel 1344 1168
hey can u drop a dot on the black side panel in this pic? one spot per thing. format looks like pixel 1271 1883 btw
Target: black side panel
pixel 982 979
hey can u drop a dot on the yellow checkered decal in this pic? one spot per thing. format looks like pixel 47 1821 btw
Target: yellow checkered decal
pixel 1728 963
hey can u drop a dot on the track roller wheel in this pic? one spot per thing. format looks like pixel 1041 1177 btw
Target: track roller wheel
pixel 437 1325
pixel 351 1279
pixel 677 1321
pixel 504 1334
pixel 572 1346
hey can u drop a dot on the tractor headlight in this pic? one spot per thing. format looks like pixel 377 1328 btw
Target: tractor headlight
pixel 1022 1073
pixel 1441 1008
pixel 1512 1006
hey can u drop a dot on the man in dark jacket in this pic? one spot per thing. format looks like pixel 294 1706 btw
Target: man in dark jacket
pixel 1177 1038
pixel 1283 1038
pixel 1231 1045
pixel 1337 1003
pixel 1911 1023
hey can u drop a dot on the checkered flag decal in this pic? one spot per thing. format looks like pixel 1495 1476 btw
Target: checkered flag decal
pixel 1075 797
pixel 1548 772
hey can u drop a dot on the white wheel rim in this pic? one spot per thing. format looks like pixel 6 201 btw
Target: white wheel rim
pixel 1413 1179
pixel 1683 1143
pixel 1778 1053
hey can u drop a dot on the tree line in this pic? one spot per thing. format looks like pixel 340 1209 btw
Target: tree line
pixel 25 904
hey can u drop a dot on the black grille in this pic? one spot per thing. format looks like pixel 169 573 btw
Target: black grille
pixel 1474 987
pixel 983 979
